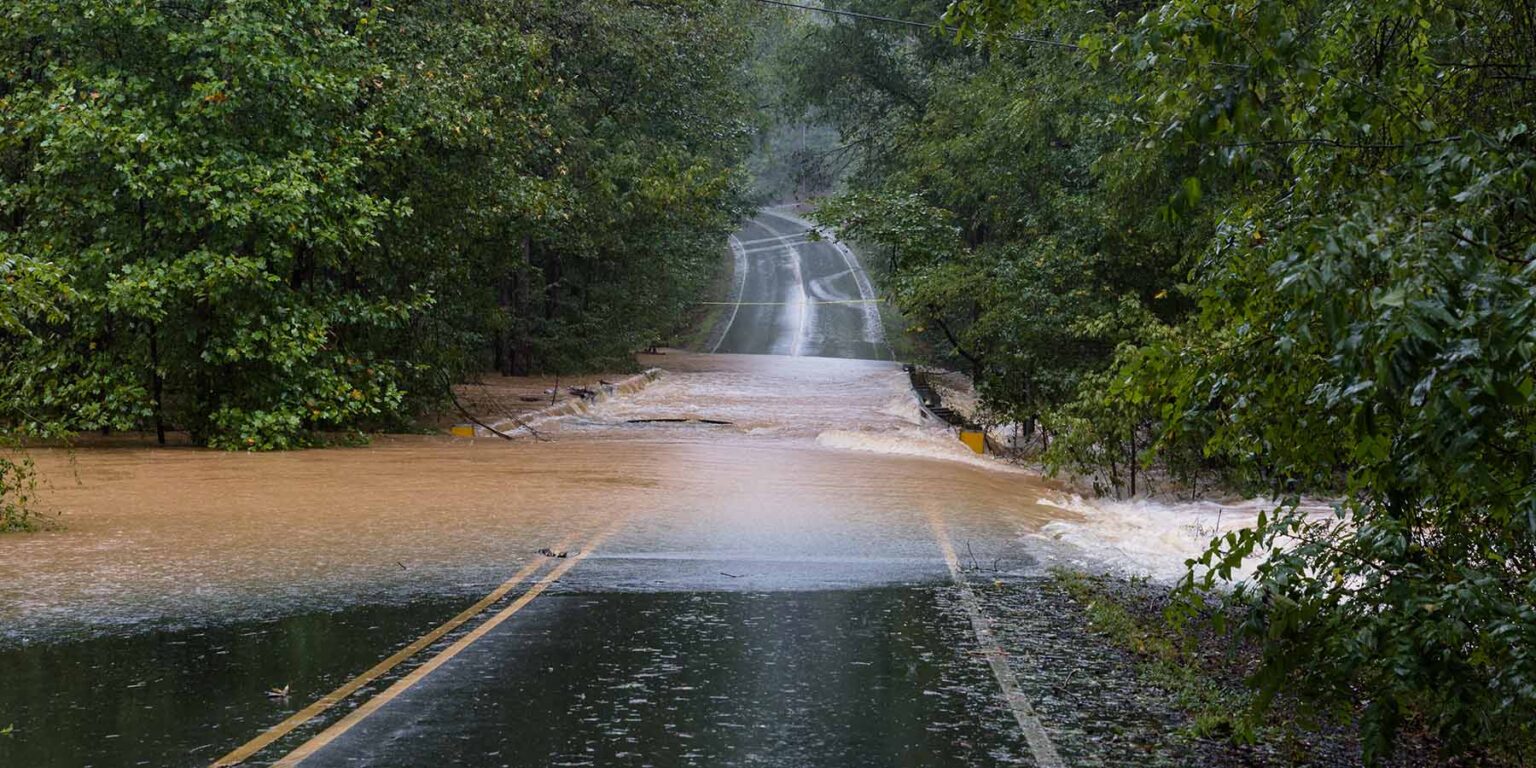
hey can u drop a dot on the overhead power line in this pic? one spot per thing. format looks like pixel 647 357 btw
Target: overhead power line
pixel 1324 72
pixel 910 23
pixel 946 28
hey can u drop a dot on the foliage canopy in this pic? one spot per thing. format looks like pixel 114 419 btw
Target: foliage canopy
pixel 1284 247
pixel 256 219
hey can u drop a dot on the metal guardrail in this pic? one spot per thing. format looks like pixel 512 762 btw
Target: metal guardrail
pixel 972 434
pixel 933 403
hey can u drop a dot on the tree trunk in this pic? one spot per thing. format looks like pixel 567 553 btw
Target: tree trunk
pixel 303 268
pixel 520 349
pixel 199 421
pixel 502 343
pixel 156 383
pixel 1133 461
pixel 552 295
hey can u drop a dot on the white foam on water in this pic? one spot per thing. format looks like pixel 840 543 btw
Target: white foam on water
pixel 1143 537
pixel 904 407
pixel 792 397
pixel 909 441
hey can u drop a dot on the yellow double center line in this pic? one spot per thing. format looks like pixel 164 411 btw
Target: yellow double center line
pixel 251 748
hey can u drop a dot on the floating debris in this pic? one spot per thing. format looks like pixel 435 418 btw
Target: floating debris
pixel 678 420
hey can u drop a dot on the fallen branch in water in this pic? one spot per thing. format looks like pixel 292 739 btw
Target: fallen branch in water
pixel 465 411
pixel 676 420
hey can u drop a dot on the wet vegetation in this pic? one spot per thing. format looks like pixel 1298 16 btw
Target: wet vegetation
pixel 1200 674
pixel 1200 683
pixel 18 482
pixel 256 220
pixel 1277 248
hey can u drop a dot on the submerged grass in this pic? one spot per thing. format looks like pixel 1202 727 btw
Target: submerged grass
pixel 1205 672
pixel 18 484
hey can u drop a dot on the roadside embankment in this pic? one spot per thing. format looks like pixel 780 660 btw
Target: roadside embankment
pixel 1121 686
pixel 504 401
pixel 577 400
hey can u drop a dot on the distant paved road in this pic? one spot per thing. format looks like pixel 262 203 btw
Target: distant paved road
pixel 799 296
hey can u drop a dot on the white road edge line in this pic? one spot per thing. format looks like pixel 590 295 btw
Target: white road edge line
pixel 873 325
pixel 874 332
pixel 1034 731
pixel 803 301
pixel 1040 745
pixel 740 257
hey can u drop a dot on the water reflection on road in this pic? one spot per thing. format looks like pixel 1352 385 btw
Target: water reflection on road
pixel 179 698
pixel 185 537
pixel 832 677
pixel 799 578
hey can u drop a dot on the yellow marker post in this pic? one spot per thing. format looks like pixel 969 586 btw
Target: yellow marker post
pixel 462 430
pixel 974 439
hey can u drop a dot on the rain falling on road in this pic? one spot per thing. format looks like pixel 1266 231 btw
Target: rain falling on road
pixel 755 560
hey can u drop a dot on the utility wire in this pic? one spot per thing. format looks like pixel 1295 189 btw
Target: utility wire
pixel 946 28
pixel 910 23
pixel 1066 46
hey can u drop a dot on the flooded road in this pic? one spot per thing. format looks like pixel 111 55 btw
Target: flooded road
pixel 848 677
pixel 185 537
pixel 753 561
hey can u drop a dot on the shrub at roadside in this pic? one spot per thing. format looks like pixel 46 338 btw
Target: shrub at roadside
pixel 1279 248
pixel 260 219
pixel 1364 327
pixel 18 481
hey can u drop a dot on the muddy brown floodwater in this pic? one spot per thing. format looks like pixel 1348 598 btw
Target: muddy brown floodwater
pixel 752 560
pixel 822 460
pixel 766 583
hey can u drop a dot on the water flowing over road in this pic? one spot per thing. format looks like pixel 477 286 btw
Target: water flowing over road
pixel 759 559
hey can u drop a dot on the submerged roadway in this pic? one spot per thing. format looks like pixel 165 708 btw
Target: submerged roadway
pixel 733 600
pixel 707 673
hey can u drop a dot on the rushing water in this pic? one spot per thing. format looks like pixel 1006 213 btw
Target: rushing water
pixel 184 536
pixel 183 584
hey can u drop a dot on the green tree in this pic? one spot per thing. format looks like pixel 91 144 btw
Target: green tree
pixel 194 175
pixel 260 220
pixel 1017 235
pixel 1364 329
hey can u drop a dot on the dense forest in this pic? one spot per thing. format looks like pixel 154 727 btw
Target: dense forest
pixel 1284 248
pixel 257 220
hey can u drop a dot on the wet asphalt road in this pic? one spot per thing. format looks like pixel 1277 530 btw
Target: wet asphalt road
pixel 799 296
pixel 811 633
pixel 880 671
